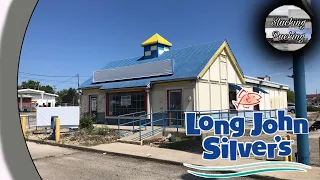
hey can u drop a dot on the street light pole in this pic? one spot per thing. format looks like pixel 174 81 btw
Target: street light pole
pixel 301 105
pixel 301 98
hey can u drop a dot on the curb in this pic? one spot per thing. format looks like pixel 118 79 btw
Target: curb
pixel 82 148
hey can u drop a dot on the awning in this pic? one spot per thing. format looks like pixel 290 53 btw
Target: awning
pixel 236 87
pixel 261 90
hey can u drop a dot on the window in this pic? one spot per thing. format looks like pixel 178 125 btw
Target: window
pixel 147 53
pixel 232 96
pixel 153 48
pixel 126 103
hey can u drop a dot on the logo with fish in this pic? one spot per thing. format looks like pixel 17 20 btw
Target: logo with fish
pixel 247 99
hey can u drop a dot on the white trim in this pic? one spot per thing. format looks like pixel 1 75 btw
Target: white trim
pixel 24 96
pixel 28 91
pixel 265 83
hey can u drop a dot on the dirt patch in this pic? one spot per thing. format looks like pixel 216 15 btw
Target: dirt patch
pixel 192 145
pixel 188 144
pixel 82 137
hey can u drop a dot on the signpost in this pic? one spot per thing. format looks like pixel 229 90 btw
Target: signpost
pixel 300 98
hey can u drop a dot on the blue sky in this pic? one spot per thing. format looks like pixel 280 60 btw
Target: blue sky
pixel 68 37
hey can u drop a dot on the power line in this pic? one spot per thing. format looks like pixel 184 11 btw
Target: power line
pixel 37 79
pixel 65 81
pixel 47 75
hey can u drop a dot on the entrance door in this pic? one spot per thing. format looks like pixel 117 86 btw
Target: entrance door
pixel 175 107
pixel 93 106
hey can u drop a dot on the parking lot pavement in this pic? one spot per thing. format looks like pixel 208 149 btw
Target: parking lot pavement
pixel 38 151
pixel 64 164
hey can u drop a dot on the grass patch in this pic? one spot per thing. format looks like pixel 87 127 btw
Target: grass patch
pixel 313 109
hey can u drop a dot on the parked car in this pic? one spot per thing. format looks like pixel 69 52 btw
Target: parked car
pixel 315 126
pixel 291 107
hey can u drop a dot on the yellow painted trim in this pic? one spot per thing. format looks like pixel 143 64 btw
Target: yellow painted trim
pixel 172 83
pixel 225 47
pixel 125 90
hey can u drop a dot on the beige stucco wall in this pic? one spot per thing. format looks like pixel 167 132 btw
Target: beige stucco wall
pixel 212 89
pixel 159 100
pixel 93 92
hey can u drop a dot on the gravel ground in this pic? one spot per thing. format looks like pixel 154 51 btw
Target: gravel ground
pixel 80 137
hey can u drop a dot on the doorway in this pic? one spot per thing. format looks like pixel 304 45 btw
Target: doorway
pixel 175 114
pixel 93 106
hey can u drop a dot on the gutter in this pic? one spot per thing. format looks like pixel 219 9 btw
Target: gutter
pixel 265 83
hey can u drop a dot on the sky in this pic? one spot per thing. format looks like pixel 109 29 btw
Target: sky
pixel 68 37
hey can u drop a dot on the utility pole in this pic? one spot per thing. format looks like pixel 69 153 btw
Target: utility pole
pixel 300 98
pixel 78 77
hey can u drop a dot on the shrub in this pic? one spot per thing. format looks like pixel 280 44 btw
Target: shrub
pixel 86 122
pixel 102 131
pixel 312 108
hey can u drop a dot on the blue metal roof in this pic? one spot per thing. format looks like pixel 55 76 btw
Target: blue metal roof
pixel 187 64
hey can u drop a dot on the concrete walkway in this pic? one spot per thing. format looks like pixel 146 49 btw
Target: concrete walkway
pixel 191 158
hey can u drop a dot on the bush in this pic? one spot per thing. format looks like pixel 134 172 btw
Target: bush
pixel 101 131
pixel 86 122
pixel 312 108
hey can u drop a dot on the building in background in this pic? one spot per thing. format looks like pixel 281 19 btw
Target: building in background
pixel 197 78
pixel 313 99
pixel 29 99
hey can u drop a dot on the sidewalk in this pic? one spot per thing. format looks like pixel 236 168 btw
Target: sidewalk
pixel 179 157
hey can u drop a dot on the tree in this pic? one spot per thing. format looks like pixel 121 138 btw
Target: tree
pixel 47 89
pixel 290 96
pixel 68 96
pixel 31 84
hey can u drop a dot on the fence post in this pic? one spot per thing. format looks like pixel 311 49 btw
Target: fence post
pixel 23 123
pixel 140 128
pixel 319 150
pixel 290 156
pixel 151 117
pixel 28 122
pixel 163 121
pixel 133 122
pixel 286 158
pixel 57 129
pixel 119 127
pixel 177 120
